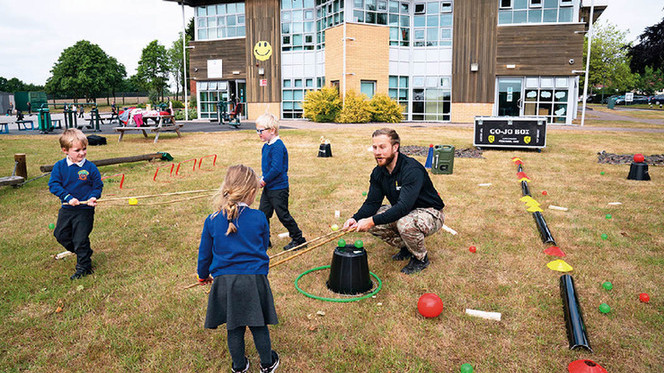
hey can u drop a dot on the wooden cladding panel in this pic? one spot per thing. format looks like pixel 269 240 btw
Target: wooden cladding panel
pixel 231 52
pixel 263 24
pixel 539 50
pixel 474 41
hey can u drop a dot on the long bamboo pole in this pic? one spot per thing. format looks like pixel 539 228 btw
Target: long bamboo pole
pixel 304 244
pixel 151 195
pixel 310 248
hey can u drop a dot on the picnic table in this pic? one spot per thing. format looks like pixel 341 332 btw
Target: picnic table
pixel 163 123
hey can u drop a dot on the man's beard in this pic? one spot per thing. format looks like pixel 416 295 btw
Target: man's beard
pixel 387 160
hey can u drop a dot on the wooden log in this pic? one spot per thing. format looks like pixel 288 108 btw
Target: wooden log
pixel 11 180
pixel 106 162
pixel 21 166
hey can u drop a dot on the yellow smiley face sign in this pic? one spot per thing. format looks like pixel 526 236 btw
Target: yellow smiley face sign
pixel 262 50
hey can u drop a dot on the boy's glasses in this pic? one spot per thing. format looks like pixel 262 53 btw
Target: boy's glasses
pixel 260 131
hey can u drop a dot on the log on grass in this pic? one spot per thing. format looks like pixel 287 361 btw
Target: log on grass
pixel 106 162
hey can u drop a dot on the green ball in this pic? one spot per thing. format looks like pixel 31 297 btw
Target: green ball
pixel 51 226
pixel 466 368
pixel 604 308
pixel 364 194
pixel 608 216
pixel 605 236
pixel 359 244
pixel 341 243
pixel 607 285
pixel 601 173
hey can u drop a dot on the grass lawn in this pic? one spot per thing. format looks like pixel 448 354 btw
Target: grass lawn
pixel 132 314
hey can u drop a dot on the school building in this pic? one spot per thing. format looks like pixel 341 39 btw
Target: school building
pixel 443 61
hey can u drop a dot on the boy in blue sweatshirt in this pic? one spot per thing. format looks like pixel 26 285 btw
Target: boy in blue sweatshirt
pixel 77 182
pixel 274 166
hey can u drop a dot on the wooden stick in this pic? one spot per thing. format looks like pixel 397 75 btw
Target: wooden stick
pixel 150 195
pixel 301 245
pixel 176 200
pixel 310 248
pixel 192 286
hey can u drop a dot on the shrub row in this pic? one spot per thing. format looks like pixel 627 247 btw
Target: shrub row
pixel 325 105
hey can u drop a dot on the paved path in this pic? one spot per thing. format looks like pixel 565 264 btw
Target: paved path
pixel 207 126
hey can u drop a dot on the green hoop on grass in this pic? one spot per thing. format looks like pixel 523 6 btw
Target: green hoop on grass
pixel 339 300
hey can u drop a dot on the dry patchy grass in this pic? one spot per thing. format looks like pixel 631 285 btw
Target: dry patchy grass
pixel 133 316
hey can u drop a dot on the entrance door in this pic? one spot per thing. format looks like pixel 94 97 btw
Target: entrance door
pixel 509 97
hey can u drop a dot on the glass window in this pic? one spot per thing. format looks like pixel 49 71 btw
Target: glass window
pixel 368 87
pixel 419 8
pixel 535 3
pixel 505 4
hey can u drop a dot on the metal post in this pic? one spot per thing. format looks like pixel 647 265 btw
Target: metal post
pixel 590 42
pixel 184 61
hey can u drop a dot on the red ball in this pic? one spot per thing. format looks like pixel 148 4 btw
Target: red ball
pixel 430 305
pixel 472 249
pixel 544 192
pixel 644 297
pixel 638 158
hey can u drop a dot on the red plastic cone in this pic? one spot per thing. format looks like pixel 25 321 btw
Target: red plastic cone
pixel 555 251
pixel 585 366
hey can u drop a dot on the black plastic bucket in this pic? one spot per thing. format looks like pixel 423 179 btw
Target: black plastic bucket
pixel 349 271
pixel 638 171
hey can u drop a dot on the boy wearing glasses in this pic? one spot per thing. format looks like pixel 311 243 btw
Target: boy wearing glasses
pixel 274 166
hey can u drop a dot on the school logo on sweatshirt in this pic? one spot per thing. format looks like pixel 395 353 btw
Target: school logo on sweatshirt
pixel 83 175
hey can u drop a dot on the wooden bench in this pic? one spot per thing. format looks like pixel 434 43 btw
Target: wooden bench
pixel 25 124
pixel 164 123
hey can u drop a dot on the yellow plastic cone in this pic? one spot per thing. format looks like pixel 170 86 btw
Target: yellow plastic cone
pixel 534 209
pixel 526 199
pixel 559 265
pixel 524 179
pixel 532 202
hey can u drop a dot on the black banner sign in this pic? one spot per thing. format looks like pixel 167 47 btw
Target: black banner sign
pixel 510 132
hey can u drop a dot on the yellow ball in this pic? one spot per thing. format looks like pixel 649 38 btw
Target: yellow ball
pixel 335 227
pixel 133 201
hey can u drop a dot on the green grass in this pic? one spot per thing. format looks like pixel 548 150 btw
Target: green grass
pixel 133 315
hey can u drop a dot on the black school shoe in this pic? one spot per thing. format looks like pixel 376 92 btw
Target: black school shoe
pixel 81 273
pixel 273 366
pixel 295 243
pixel 415 265
pixel 403 254
pixel 246 367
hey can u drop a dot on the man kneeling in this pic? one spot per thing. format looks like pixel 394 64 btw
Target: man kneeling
pixel 416 209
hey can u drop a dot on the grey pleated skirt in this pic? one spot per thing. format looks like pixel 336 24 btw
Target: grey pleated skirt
pixel 240 300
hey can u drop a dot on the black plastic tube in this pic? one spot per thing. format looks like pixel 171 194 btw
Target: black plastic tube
pixel 545 233
pixel 576 329
pixel 524 188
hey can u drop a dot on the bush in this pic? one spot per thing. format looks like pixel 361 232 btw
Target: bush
pixel 356 109
pixel 179 114
pixel 384 109
pixel 177 104
pixel 322 105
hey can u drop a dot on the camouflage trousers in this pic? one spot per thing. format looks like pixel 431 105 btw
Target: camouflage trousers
pixel 410 230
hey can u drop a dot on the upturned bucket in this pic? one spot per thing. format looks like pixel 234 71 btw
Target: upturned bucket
pixel 349 271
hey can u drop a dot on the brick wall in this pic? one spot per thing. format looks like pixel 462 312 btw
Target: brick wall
pixel 367 57
pixel 463 112
pixel 256 109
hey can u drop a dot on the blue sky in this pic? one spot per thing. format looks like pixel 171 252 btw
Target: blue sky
pixel 35 32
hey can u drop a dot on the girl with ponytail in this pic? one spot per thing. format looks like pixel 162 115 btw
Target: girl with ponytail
pixel 233 257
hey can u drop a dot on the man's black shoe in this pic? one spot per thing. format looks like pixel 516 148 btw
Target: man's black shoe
pixel 81 273
pixel 403 254
pixel 415 265
pixel 295 243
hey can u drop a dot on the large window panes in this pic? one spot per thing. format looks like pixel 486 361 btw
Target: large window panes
pixel 329 13
pixel 431 98
pixel 547 97
pixel 398 91
pixel 297 25
pixel 209 93
pixel 293 91
pixel 220 21
pixel 535 11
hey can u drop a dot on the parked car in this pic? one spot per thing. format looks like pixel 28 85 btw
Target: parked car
pixel 657 100
pixel 638 99
pixel 606 99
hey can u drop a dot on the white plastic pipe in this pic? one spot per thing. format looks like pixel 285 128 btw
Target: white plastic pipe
pixel 484 314
pixel 552 207
pixel 445 227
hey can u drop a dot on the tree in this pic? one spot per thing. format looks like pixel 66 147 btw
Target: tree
pixel 609 65
pixel 190 29
pixel 83 70
pixel 649 52
pixel 16 85
pixel 650 81
pixel 177 63
pixel 116 74
pixel 153 69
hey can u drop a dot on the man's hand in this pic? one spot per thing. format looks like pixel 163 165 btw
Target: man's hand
pixel 349 224
pixel 74 202
pixel 92 201
pixel 365 224
pixel 205 281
